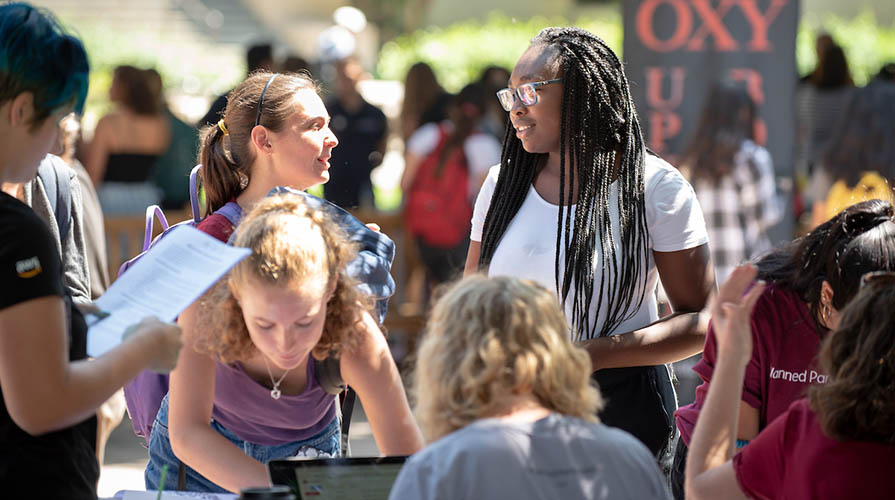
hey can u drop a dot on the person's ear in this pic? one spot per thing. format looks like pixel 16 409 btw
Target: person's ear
pixel 261 138
pixel 21 109
pixel 826 294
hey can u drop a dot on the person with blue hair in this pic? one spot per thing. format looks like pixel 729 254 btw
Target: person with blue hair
pixel 50 393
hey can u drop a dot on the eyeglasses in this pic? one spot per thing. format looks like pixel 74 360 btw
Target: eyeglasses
pixel 527 93
pixel 261 100
pixel 878 278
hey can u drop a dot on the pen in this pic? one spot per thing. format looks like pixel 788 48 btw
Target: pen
pixel 94 317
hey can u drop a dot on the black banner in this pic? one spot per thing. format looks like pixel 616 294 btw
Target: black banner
pixel 675 50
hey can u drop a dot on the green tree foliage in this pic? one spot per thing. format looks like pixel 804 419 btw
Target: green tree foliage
pixel 186 68
pixel 867 44
pixel 460 51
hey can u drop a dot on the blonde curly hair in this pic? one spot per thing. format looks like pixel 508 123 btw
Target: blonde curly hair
pixel 490 338
pixel 276 230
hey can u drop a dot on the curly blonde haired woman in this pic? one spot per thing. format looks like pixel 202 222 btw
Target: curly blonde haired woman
pixel 506 397
pixel 245 390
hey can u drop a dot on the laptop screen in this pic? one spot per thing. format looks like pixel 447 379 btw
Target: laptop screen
pixel 354 478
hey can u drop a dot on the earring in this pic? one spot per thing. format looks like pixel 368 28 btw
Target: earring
pixel 825 315
pixel 243 181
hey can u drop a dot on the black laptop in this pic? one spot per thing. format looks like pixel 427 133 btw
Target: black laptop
pixel 354 478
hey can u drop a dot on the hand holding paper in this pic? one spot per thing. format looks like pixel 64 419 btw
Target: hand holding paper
pixel 164 338
pixel 164 282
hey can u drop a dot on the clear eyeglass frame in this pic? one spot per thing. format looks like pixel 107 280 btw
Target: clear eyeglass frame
pixel 527 93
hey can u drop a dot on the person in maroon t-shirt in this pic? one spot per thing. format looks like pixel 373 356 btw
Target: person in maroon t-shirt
pixel 837 443
pixel 809 282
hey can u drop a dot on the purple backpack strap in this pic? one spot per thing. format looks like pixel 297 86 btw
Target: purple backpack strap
pixel 152 212
pixel 194 193
pixel 231 210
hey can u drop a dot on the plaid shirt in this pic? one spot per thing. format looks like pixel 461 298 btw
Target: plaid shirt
pixel 740 209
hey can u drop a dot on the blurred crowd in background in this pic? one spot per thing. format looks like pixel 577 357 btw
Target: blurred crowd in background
pixel 140 150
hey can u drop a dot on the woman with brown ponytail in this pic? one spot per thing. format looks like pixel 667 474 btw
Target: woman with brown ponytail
pixel 274 132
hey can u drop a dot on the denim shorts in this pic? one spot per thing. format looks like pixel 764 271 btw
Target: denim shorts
pixel 161 454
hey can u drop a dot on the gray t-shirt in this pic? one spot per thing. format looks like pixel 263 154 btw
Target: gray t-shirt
pixel 555 457
pixel 72 251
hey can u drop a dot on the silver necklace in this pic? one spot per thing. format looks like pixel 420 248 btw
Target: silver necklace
pixel 275 392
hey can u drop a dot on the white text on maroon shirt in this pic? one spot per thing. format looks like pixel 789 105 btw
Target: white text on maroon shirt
pixel 805 377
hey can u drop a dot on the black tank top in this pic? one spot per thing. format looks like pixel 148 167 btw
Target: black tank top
pixel 130 167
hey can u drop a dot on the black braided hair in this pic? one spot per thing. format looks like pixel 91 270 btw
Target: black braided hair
pixel 598 123
pixel 857 240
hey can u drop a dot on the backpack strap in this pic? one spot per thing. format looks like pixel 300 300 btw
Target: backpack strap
pixel 347 409
pixel 194 193
pixel 231 210
pixel 329 375
pixel 153 211
pixel 57 185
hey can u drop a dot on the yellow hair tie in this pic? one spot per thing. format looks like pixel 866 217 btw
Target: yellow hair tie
pixel 223 127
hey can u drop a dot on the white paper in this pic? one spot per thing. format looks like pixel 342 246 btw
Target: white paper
pixel 172 274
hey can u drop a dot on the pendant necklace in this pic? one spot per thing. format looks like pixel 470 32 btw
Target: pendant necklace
pixel 275 392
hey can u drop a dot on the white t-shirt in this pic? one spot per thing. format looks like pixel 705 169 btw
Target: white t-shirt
pixel 528 247
pixel 481 150
pixel 555 457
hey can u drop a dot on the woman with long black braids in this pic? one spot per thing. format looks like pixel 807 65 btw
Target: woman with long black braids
pixel 574 165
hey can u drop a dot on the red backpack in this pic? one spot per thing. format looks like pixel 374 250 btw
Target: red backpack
pixel 438 209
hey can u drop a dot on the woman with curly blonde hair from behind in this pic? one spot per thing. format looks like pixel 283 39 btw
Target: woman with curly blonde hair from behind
pixel 245 391
pixel 505 400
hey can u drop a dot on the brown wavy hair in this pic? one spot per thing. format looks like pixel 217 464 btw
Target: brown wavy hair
pixel 858 401
pixel 488 338
pixel 277 231
pixel 140 92
pixel 421 92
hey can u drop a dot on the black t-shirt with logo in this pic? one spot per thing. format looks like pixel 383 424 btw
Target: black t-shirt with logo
pixel 60 464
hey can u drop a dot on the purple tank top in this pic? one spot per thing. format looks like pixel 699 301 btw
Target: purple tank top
pixel 245 407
